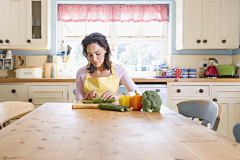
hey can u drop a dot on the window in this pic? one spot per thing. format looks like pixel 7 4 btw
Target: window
pixel 136 45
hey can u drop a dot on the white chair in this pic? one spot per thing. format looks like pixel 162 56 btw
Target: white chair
pixel 13 110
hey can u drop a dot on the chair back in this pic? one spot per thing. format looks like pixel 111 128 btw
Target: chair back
pixel 208 111
pixel 12 110
pixel 236 132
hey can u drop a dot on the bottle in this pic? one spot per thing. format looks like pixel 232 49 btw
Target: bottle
pixel 53 71
pixel 154 72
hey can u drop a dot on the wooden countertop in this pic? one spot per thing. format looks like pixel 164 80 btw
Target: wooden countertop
pixel 135 80
pixel 56 131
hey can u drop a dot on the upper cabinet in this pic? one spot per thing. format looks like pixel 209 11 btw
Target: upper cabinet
pixel 207 24
pixel 25 24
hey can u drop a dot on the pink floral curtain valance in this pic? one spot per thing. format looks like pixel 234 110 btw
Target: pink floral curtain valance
pixel 112 13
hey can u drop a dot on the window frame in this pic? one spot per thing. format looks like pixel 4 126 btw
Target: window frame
pixel 169 32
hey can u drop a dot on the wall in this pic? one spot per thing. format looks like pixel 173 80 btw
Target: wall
pixel 172 13
pixel 192 61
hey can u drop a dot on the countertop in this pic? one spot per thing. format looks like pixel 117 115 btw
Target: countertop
pixel 135 80
pixel 56 131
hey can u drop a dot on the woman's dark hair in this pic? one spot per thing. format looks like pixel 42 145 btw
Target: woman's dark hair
pixel 101 41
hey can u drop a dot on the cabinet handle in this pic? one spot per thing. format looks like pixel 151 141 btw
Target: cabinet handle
pixel 1 41
pixel 157 90
pixel 224 41
pixel 215 99
pixel 178 90
pixel 30 100
pixel 204 41
pixel 201 90
pixel 7 41
pixel 28 41
pixel 198 41
pixel 13 90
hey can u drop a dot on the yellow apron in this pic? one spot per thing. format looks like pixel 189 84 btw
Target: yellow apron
pixel 102 84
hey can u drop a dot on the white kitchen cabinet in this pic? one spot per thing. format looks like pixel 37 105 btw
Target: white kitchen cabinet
pixel 178 92
pixel 39 94
pixel 1 22
pixel 207 24
pixel 229 98
pixel 13 23
pixel 210 22
pixel 12 92
pixel 230 23
pixel 193 22
pixel 25 24
pixel 227 94
pixel 72 86
pixel 38 26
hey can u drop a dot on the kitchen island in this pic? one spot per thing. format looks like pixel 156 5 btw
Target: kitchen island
pixel 56 131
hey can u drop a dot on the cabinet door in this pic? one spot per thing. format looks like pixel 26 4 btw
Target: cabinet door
pixel 229 98
pixel 230 25
pixel 192 22
pixel 12 92
pixel 211 22
pixel 1 22
pixel 37 22
pixel 39 95
pixel 15 22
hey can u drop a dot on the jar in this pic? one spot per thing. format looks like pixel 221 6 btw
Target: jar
pixel 7 63
pixel 1 55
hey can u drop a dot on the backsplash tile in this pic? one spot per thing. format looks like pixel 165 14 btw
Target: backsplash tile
pixel 30 61
pixel 189 61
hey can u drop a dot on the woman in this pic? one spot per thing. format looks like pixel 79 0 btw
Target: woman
pixel 101 77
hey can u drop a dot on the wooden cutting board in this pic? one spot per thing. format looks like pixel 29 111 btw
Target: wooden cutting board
pixel 81 105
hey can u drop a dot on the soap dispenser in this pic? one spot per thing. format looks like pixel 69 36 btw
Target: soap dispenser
pixel 53 71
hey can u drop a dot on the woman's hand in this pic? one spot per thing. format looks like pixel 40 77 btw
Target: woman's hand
pixel 109 95
pixel 91 94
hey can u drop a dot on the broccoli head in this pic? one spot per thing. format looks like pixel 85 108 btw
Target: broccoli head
pixel 151 101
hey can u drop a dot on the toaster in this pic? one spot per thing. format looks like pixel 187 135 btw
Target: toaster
pixel 226 71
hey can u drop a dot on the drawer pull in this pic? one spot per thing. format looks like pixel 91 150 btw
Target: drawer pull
pixel 215 99
pixel 201 90
pixel 7 41
pixel 157 90
pixel 204 41
pixel 1 41
pixel 13 90
pixel 30 100
pixel 198 41
pixel 178 90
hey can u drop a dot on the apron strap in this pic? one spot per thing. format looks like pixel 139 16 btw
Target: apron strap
pixel 112 69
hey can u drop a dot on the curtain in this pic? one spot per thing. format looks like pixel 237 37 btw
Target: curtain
pixel 112 13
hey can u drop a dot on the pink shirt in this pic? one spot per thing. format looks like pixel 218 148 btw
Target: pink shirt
pixel 122 75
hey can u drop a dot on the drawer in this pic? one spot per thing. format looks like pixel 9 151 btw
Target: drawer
pixel 226 91
pixel 12 91
pixel 43 94
pixel 190 91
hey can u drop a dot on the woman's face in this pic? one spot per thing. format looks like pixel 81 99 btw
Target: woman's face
pixel 96 54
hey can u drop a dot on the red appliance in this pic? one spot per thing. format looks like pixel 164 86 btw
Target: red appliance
pixel 212 71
